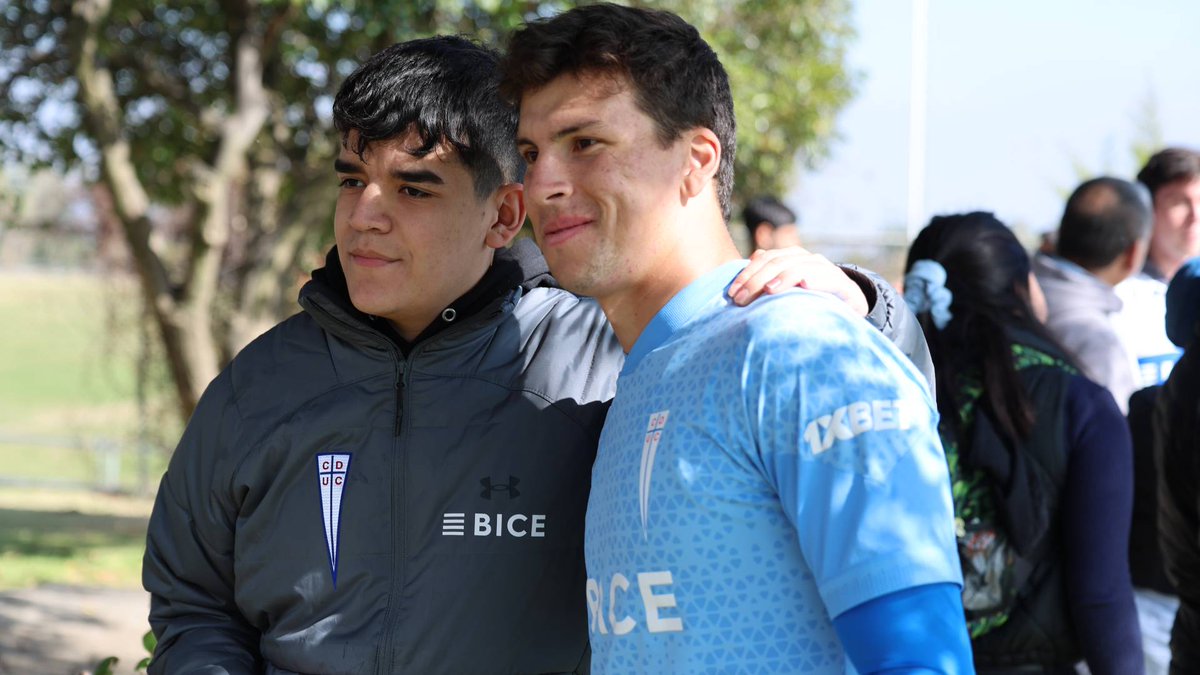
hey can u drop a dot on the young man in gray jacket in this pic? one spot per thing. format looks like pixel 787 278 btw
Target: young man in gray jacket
pixel 394 479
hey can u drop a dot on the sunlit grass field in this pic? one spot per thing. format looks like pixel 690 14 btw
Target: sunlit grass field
pixel 70 537
pixel 69 417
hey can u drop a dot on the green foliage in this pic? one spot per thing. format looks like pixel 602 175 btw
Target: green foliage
pixel 73 384
pixel 148 641
pixel 172 62
pixel 237 205
pixel 786 63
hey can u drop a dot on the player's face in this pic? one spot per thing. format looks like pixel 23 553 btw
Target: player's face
pixel 600 186
pixel 1177 219
pixel 410 230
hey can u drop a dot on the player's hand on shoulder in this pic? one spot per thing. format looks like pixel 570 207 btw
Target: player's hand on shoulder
pixel 777 270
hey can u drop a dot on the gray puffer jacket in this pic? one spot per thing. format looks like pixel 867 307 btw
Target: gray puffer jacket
pixel 1081 310
pixel 336 507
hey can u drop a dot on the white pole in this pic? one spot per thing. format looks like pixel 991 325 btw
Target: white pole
pixel 918 91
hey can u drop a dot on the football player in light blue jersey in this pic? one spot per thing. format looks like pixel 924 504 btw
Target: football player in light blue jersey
pixel 770 494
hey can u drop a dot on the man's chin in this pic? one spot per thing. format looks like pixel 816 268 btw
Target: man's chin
pixel 367 302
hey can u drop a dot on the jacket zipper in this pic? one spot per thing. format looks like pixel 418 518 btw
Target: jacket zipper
pixel 385 662
pixel 399 386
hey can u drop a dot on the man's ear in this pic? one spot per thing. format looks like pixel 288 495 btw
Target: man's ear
pixel 704 157
pixel 509 200
pixel 1134 256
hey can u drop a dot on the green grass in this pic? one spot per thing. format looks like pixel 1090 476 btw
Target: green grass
pixel 68 355
pixel 69 348
pixel 49 536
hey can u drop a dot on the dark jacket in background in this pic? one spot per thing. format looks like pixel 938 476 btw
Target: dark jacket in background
pixel 1177 449
pixel 1145 555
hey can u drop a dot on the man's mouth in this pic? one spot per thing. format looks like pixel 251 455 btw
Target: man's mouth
pixel 370 258
pixel 563 228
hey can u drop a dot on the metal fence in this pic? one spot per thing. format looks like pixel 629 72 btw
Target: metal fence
pixel 92 463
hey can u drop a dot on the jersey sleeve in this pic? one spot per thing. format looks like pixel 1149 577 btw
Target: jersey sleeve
pixel 846 433
pixel 916 630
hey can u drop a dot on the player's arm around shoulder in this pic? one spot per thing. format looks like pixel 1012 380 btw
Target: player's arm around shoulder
pixel 847 433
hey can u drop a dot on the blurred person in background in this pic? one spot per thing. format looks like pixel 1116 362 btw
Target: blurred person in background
pixel 1039 455
pixel 1101 241
pixel 1172 176
pixel 1177 450
pixel 770 223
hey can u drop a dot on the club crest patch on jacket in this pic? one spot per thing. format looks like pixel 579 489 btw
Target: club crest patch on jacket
pixel 332 470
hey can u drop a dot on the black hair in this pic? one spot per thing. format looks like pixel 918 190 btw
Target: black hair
pixel 1169 165
pixel 1103 218
pixel 446 90
pixel 987 272
pixel 676 77
pixel 766 209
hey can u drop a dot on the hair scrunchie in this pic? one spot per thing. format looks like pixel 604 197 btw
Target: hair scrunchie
pixel 925 291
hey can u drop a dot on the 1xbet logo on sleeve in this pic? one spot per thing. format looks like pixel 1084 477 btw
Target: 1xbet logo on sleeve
pixel 851 420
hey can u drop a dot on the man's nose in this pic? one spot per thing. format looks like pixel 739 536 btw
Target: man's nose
pixel 546 180
pixel 371 211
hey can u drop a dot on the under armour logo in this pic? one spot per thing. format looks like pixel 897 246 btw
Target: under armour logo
pixel 510 487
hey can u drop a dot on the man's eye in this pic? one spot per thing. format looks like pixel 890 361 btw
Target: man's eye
pixel 530 156
pixel 584 143
pixel 350 183
pixel 414 192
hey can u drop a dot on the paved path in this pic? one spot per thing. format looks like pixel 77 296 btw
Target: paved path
pixel 66 630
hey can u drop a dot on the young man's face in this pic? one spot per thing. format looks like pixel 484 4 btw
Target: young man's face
pixel 600 187
pixel 1177 219
pixel 411 232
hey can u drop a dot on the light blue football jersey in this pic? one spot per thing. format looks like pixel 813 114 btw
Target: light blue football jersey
pixel 762 470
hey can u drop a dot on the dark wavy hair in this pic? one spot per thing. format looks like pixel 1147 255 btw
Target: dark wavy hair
pixel 1169 165
pixel 444 88
pixel 766 209
pixel 987 271
pixel 676 77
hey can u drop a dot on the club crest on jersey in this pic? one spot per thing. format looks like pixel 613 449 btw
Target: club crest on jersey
pixel 332 470
pixel 654 431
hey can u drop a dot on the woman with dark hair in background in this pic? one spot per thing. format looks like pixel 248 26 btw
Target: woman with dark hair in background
pixel 1040 460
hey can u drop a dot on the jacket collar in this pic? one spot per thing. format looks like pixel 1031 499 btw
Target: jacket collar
pixel 326 297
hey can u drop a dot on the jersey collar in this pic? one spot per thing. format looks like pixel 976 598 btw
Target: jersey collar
pixel 680 309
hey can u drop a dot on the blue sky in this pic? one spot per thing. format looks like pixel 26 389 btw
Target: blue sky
pixel 1019 92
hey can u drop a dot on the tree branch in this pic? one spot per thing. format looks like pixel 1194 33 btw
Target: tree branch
pixel 102 116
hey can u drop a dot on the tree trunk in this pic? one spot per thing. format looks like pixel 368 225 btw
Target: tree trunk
pixel 183 313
